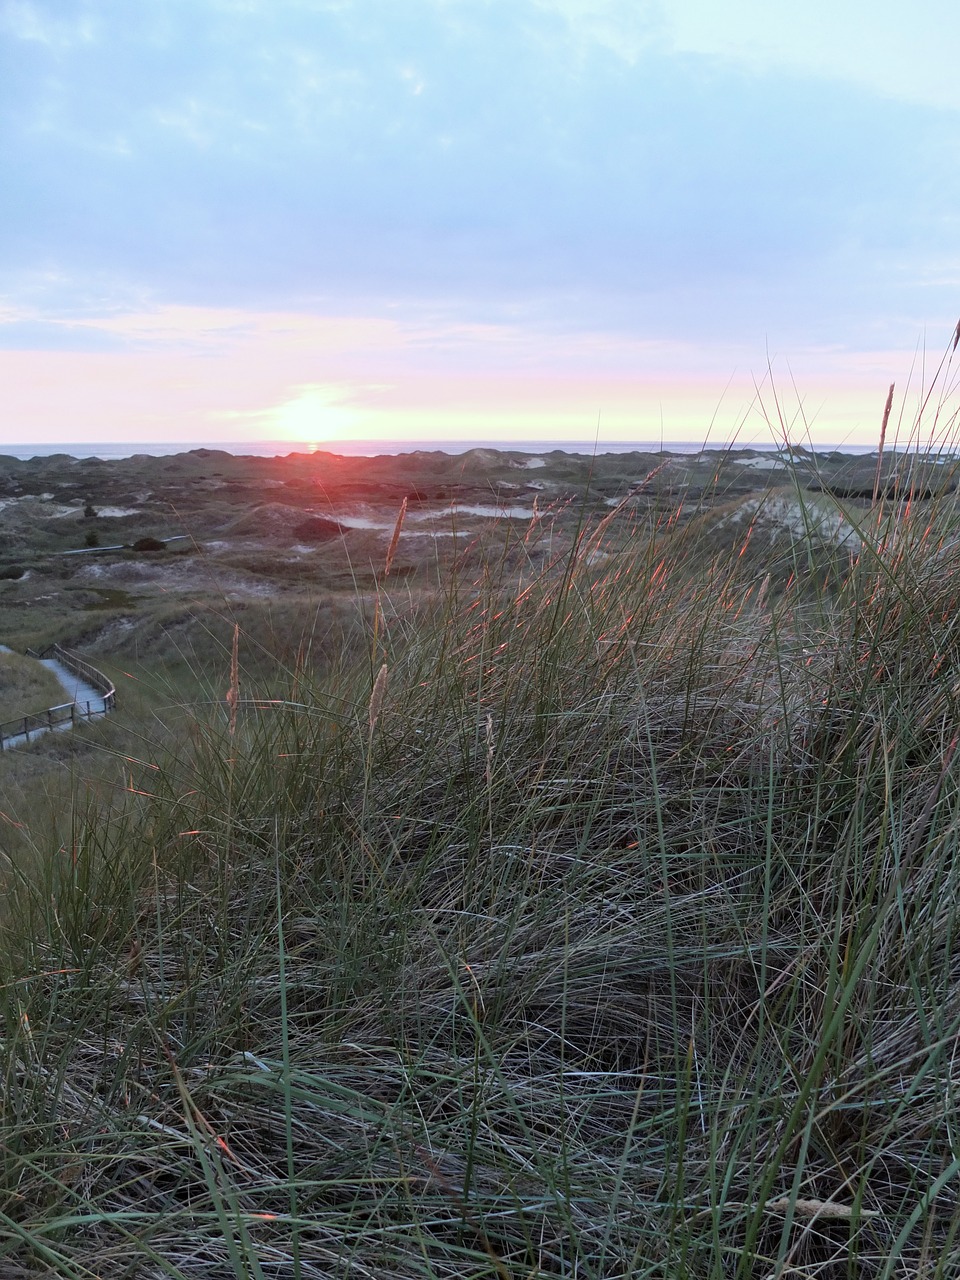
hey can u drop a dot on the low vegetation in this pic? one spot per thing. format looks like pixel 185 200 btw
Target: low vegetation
pixel 597 918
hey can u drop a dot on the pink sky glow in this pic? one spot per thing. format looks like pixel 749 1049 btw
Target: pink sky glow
pixel 206 374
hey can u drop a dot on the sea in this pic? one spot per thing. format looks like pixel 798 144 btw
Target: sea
pixel 372 448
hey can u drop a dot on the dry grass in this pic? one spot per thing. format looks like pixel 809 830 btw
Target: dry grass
pixel 613 935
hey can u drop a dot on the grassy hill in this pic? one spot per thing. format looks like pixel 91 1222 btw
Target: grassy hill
pixel 596 920
pixel 26 687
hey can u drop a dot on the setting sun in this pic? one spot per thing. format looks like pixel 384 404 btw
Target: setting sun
pixel 316 416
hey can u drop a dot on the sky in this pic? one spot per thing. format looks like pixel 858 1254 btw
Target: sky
pixel 494 220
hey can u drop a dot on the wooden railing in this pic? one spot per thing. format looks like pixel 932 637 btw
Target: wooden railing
pixel 73 662
pixel 13 731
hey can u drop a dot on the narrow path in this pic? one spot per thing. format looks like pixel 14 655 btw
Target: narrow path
pixel 76 689
pixel 90 701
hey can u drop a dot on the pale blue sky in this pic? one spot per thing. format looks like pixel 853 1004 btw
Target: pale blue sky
pixel 488 217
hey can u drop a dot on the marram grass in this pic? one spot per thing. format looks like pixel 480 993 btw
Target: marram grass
pixel 604 923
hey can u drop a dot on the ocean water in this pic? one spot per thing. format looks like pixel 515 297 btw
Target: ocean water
pixel 371 448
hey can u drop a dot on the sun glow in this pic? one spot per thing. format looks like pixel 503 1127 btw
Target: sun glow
pixel 316 416
pixel 321 382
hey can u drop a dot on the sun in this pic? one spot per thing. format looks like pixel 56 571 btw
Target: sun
pixel 317 415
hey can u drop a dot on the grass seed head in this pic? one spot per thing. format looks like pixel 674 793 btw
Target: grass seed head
pixel 233 692
pixel 395 538
pixel 376 699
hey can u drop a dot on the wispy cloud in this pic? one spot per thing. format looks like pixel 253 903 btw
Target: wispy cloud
pixel 883 49
pixel 37 23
